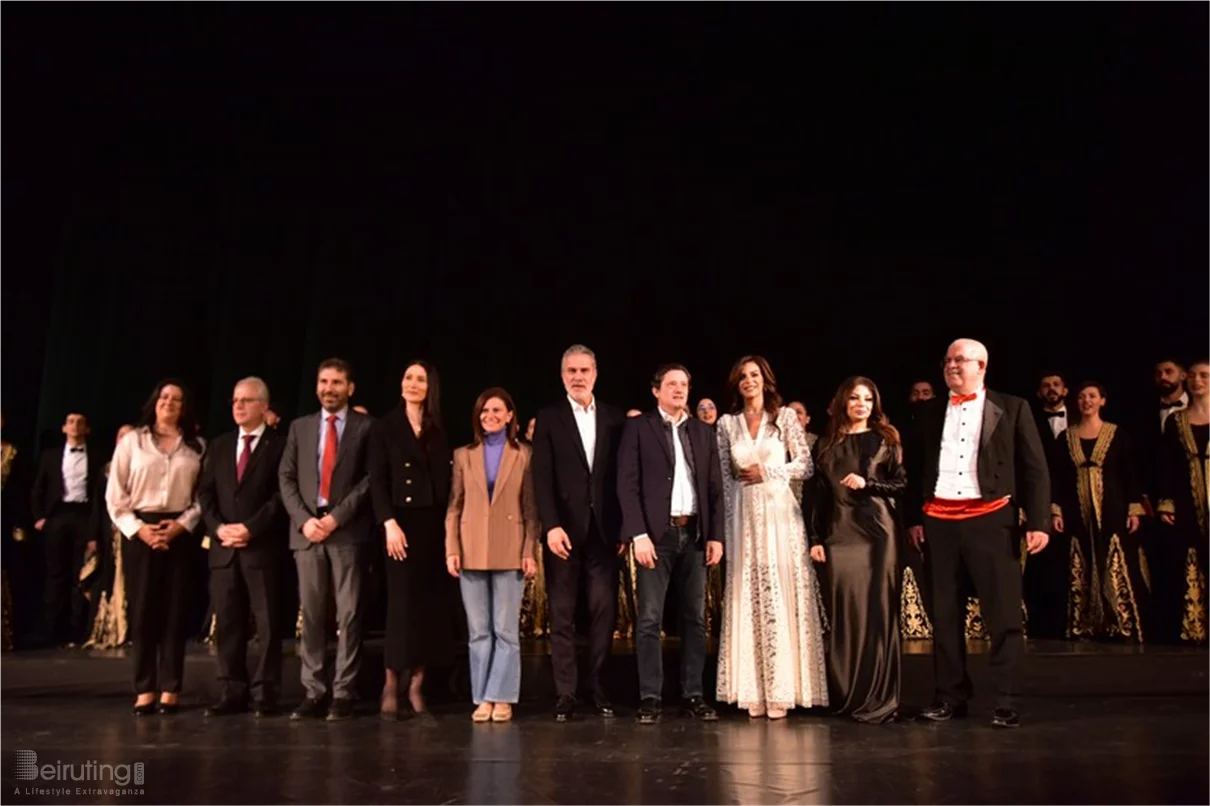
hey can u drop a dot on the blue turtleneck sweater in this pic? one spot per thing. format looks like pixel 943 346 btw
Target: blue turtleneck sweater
pixel 493 452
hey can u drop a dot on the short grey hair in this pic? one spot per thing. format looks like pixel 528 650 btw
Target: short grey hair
pixel 577 349
pixel 252 380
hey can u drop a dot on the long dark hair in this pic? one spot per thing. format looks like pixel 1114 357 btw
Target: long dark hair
pixel 772 398
pixel 431 424
pixel 188 420
pixel 838 417
pixel 477 427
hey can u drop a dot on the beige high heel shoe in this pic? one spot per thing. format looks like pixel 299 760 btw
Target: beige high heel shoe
pixel 483 713
pixel 503 712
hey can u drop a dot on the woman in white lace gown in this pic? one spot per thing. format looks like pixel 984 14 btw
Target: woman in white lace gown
pixel 771 650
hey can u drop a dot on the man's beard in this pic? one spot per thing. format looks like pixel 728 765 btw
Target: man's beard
pixel 1052 399
pixel 1167 388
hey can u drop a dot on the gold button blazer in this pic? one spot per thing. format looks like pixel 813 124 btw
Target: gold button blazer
pixel 492 534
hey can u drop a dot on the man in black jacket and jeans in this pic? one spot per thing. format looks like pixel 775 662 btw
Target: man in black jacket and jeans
pixel 670 487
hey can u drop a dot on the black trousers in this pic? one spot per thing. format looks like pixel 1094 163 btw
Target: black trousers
pixel 592 565
pixel 984 547
pixel 238 591
pixel 66 533
pixel 157 589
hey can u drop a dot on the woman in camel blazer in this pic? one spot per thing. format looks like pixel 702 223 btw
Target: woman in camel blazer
pixel 491 533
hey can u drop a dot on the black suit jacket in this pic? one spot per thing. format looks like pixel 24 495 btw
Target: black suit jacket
pixel 569 494
pixel 1011 460
pixel 646 461
pixel 48 481
pixel 403 475
pixel 255 501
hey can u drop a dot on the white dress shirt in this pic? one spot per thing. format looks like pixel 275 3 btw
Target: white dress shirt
pixel 240 442
pixel 75 475
pixel 1058 424
pixel 1180 405
pixel 684 496
pixel 958 463
pixel 586 423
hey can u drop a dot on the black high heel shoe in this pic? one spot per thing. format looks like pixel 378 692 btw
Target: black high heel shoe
pixel 144 710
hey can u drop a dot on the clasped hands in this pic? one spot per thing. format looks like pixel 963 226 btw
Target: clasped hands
pixel 159 535
pixel 233 535
pixel 317 530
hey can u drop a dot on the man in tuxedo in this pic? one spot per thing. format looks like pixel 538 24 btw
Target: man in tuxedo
pixel 59 506
pixel 979 461
pixel 670 487
pixel 1048 575
pixel 325 487
pixel 242 510
pixel 1165 555
pixel 1052 395
pixel 575 483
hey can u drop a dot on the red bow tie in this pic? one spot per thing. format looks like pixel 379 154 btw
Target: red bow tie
pixel 958 400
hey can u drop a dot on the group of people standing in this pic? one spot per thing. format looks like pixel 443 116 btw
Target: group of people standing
pixel 807 532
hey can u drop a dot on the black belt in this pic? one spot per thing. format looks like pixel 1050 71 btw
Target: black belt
pixel 681 521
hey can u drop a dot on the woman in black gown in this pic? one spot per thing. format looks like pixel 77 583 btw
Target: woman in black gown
pixel 854 533
pixel 1182 481
pixel 410 487
pixel 1098 500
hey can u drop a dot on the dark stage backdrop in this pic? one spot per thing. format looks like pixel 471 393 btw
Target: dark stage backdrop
pixel 210 191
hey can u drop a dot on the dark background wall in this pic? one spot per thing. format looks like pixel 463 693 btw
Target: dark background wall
pixel 215 190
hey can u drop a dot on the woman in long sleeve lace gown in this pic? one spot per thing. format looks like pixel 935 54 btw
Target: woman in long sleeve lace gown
pixel 771 650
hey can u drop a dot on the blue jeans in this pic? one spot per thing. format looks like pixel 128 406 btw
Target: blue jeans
pixel 492 600
pixel 679 556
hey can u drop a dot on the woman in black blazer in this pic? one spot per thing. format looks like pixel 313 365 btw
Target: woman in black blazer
pixel 410 485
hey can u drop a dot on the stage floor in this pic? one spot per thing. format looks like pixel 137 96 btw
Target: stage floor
pixel 1147 744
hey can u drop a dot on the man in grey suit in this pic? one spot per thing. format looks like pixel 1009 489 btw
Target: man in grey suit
pixel 325 486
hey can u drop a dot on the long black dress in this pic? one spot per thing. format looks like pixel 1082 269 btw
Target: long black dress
pixel 1181 482
pixel 1096 487
pixel 410 482
pixel 858 530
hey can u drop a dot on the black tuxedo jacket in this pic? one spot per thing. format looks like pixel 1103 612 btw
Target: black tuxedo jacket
pixel 255 502
pixel 646 461
pixel 569 494
pixel 48 481
pixel 1012 460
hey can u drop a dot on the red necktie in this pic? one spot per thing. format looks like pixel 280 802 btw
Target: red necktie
pixel 325 479
pixel 958 400
pixel 242 464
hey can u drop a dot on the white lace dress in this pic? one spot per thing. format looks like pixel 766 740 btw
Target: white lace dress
pixel 771 650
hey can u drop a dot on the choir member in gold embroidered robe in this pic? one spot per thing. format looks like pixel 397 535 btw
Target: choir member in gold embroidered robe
pixel 1098 501
pixel 1182 488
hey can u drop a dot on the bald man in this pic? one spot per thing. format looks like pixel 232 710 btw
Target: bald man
pixel 979 459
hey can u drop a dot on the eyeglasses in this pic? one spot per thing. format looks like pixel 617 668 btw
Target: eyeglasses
pixel 947 361
pixel 244 401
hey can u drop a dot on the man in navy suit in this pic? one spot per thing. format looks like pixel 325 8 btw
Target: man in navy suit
pixel 670 488
pixel 242 509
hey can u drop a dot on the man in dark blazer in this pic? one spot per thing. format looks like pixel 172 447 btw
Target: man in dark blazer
pixel 59 506
pixel 325 487
pixel 242 510
pixel 670 487
pixel 575 483
pixel 978 460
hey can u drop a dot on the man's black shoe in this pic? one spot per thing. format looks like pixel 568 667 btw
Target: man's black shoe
pixel 698 708
pixel 311 708
pixel 650 711
pixel 1005 718
pixel 565 708
pixel 943 712
pixel 340 709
